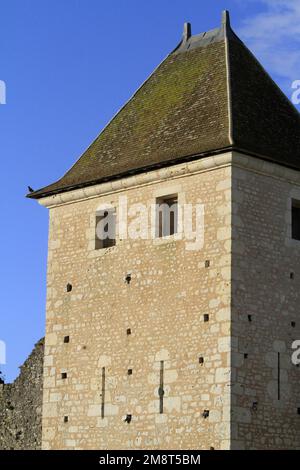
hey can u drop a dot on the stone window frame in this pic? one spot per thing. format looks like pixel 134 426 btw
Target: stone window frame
pixel 166 191
pixel 170 200
pixel 91 231
pixel 293 196
pixel 295 203
pixel 111 213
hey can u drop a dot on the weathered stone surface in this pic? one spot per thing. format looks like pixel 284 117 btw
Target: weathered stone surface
pixel 171 289
pixel 246 381
pixel 266 398
pixel 21 405
pixel 246 291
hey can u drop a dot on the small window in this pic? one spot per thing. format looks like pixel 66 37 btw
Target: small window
pixel 295 219
pixel 105 235
pixel 166 216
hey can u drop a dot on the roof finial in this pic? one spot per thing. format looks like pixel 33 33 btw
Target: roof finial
pixel 226 19
pixel 187 31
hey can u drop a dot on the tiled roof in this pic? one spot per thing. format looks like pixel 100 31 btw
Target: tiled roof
pixel 208 96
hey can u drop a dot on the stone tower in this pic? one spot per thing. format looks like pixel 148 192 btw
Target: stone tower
pixel 156 342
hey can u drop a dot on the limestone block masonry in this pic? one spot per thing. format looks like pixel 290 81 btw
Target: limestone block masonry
pixel 225 400
pixel 265 285
pixel 171 290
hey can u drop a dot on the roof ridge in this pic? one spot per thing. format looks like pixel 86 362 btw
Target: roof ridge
pixel 227 30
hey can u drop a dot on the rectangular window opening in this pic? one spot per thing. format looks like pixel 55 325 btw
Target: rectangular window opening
pixel 103 394
pixel 166 215
pixel 278 376
pixel 161 388
pixel 105 230
pixel 295 219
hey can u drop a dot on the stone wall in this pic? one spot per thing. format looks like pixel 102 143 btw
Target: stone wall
pixel 21 405
pixel 265 309
pixel 164 306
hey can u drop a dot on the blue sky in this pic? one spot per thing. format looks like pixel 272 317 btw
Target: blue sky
pixel 69 65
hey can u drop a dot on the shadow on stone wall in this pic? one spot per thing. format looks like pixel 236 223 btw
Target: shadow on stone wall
pixel 21 405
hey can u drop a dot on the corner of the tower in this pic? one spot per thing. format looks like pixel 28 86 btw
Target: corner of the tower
pixel 264 305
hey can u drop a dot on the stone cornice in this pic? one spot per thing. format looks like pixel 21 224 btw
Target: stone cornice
pixel 264 167
pixel 235 159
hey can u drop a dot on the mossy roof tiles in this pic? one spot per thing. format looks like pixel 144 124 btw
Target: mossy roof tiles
pixel 209 95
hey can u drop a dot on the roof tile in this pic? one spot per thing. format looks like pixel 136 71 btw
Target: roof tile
pixel 182 111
